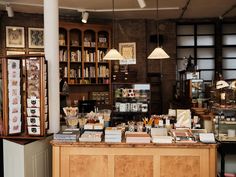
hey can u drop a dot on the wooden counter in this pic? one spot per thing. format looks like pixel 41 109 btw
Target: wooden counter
pixel 79 159
pixel 133 160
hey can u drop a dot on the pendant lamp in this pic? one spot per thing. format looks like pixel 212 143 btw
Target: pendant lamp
pixel 113 54
pixel 158 52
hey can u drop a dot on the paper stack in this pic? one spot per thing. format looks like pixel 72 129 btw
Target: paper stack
pixel 91 136
pixel 71 136
pixel 113 134
pixel 162 139
pixel 137 137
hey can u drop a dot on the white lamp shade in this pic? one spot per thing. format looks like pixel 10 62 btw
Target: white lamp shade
pixel 113 54
pixel 221 84
pixel 158 53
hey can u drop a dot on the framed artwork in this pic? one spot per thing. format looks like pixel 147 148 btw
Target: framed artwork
pixel 15 37
pixel 35 38
pixel 12 52
pixel 128 51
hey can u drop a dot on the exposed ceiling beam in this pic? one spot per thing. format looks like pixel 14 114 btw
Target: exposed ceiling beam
pixel 184 9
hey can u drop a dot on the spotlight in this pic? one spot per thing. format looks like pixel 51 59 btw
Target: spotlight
pixel 9 10
pixel 141 3
pixel 85 16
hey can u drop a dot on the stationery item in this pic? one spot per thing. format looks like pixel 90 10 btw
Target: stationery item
pixel 33 121
pixel 231 133
pixel 207 137
pixel 32 130
pixel 184 118
pixel 33 112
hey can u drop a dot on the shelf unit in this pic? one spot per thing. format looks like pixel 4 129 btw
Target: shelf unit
pixel 82 48
pixel 24 97
pixel 228 50
pixel 197 41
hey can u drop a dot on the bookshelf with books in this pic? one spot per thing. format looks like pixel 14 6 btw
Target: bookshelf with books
pixel 82 49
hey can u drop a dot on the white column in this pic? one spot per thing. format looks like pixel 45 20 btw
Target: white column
pixel 51 43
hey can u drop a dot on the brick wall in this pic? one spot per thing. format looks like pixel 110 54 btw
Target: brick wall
pixel 138 31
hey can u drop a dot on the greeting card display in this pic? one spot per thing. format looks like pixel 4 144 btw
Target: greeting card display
pixel 14 97
pixel 25 104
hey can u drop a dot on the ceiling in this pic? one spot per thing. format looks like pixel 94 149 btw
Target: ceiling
pixel 129 9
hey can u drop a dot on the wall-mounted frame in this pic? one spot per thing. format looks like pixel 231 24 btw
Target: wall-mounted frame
pixel 15 37
pixel 15 52
pixel 35 38
pixel 128 51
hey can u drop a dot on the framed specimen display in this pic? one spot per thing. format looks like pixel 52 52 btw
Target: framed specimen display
pixel 35 38
pixel 25 104
pixel 128 51
pixel 15 37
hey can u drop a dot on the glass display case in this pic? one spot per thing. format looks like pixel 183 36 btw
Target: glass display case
pixel 224 123
pixel 131 101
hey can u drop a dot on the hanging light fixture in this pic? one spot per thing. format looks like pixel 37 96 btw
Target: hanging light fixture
pixel 158 52
pixel 9 10
pixel 141 3
pixel 85 16
pixel 113 54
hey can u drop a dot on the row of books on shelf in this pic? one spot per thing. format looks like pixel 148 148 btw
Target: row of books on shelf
pixel 103 71
pixel 75 73
pixel 63 55
pixel 89 71
pixel 76 56
pixel 89 56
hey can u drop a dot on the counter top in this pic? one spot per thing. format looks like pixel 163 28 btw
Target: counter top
pixel 197 145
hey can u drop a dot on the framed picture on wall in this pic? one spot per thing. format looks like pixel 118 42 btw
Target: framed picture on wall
pixel 15 37
pixel 128 51
pixel 12 52
pixel 35 38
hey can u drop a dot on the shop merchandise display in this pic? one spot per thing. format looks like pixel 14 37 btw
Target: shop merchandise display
pixel 25 96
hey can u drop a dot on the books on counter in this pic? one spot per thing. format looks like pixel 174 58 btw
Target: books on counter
pixel 137 137
pixel 162 139
pixel 67 135
pixel 91 136
pixel 113 134
pixel 183 136
pixel 93 126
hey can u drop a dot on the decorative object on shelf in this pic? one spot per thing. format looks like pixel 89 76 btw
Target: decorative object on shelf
pixel 35 38
pixel 128 51
pixel 85 16
pixel 15 37
pixel 158 52
pixel 113 54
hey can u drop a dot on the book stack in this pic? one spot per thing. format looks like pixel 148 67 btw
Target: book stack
pixel 91 136
pixel 71 136
pixel 183 136
pixel 113 134
pixel 137 137
pixel 161 139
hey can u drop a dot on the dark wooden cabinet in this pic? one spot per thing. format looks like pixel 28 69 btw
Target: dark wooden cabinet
pixel 154 79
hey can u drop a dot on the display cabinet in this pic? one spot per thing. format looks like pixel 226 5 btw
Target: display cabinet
pixel 82 48
pixel 24 96
pixel 131 101
pixel 225 123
